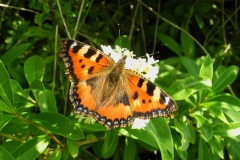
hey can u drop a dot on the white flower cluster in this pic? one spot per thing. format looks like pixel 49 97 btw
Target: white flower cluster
pixel 139 65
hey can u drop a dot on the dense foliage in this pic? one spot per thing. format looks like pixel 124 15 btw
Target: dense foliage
pixel 197 43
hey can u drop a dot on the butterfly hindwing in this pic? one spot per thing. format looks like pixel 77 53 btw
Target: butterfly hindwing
pixel 82 60
pixel 148 100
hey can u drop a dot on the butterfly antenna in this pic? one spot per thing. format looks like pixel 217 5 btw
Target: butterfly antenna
pixel 119 35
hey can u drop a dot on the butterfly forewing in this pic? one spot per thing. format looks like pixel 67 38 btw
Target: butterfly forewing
pixel 82 60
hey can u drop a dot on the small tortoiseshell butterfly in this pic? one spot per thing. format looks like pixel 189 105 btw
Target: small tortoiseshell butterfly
pixel 113 95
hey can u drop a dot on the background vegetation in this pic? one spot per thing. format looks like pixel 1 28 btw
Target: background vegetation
pixel 197 43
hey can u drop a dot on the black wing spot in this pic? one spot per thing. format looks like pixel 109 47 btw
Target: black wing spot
pixel 140 82
pixel 90 70
pixel 150 88
pixel 135 95
pixel 76 48
pixel 99 58
pixel 83 66
pixel 91 51
pixel 162 98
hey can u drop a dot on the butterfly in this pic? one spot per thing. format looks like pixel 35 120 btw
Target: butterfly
pixel 113 95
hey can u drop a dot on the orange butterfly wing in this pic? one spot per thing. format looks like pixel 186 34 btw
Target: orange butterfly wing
pixel 81 62
pixel 148 100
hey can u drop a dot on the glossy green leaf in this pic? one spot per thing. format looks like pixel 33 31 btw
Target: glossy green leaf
pixel 182 128
pixel 163 137
pixel 203 150
pixel 182 89
pixel 187 44
pixel 17 89
pixel 190 66
pixel 47 101
pixel 34 68
pixel 13 53
pixel 204 127
pixel 217 146
pixel 4 107
pixel 110 143
pixel 37 85
pixel 206 69
pixel 32 148
pixel 5 155
pixel 225 78
pixel 5 86
pixel 141 134
pixel 129 149
pixel 4 119
pixel 170 43
pixel 225 101
pixel 56 155
pixel 225 130
pixel 232 146
pixel 59 124
pixel 72 147
pixel 215 111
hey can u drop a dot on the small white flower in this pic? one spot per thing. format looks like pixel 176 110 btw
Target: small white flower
pixel 139 123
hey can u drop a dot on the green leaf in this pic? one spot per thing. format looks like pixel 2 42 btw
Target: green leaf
pixel 129 149
pixel 32 148
pixel 59 124
pixel 217 146
pixel 141 134
pixel 13 53
pixel 72 147
pixel 182 128
pixel 225 78
pixel 4 119
pixel 204 126
pixel 56 155
pixel 17 89
pixel 187 44
pixel 4 107
pixel 34 68
pixel 110 143
pixel 37 85
pixel 123 42
pixel 206 69
pixel 190 66
pixel 232 147
pixel 5 86
pixel 225 130
pixel 46 8
pixel 5 155
pixel 182 89
pixel 215 111
pixel 47 101
pixel 170 43
pixel 199 21
pixel 163 137
pixel 203 150
pixel 225 101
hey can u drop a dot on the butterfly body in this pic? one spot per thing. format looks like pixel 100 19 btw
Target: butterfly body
pixel 101 88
